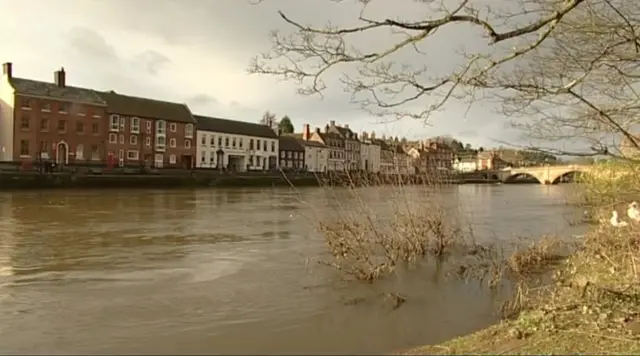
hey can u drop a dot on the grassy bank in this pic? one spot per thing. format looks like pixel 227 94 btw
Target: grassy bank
pixel 593 306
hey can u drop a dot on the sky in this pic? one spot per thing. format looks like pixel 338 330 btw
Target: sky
pixel 198 51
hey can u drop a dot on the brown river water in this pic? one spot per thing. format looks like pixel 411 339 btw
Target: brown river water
pixel 228 271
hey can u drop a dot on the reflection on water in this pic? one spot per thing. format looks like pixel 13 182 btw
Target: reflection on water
pixel 225 271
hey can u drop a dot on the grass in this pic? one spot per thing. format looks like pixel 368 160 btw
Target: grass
pixel 593 305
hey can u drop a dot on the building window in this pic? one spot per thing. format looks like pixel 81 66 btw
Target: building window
pixel 63 108
pixel 161 142
pixel 188 131
pixel 133 155
pixel 79 127
pixel 172 143
pixel 62 125
pixel 24 147
pixel 173 127
pixel 158 160
pixel 133 140
pixel 46 107
pixel 148 124
pixel 147 141
pixel 240 143
pixel 80 112
pixel 282 154
pixel 226 142
pixel 95 153
pixel 113 138
pixel 187 143
pixel 121 139
pixel 250 144
pixel 220 141
pixel 203 155
pixel 97 113
pixel 114 123
pixel 273 146
pixel 172 159
pixel 203 140
pixel 25 104
pixel 80 152
pixel 233 142
pixel 123 123
pixel 95 128
pixel 288 154
pixel 24 122
pixel 135 125
pixel 161 127
pixel 44 124
pixel 212 141
pixel 257 145
pixel 44 149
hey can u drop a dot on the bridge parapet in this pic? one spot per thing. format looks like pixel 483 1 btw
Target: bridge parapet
pixel 544 174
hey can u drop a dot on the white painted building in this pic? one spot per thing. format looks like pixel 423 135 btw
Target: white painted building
pixel 465 165
pixel 235 145
pixel 7 103
pixel 369 154
pixel 333 144
pixel 317 156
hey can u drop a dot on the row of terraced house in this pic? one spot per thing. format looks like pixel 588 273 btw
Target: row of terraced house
pixel 55 122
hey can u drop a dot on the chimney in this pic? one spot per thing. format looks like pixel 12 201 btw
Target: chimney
pixel 7 69
pixel 326 128
pixel 373 135
pixel 59 78
pixel 306 132
pixel 317 130
pixel 332 123
pixel 346 126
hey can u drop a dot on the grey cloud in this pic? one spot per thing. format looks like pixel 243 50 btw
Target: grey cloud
pixel 152 62
pixel 87 42
pixel 202 100
pixel 468 133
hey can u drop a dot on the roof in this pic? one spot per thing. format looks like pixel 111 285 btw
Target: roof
pixel 232 127
pixel 298 136
pixel 289 143
pixel 51 90
pixel 345 132
pixel 148 108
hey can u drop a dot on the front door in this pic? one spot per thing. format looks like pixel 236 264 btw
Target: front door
pixel 61 157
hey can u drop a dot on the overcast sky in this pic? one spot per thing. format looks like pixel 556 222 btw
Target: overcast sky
pixel 198 51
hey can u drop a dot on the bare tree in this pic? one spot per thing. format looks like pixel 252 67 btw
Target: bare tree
pixel 565 69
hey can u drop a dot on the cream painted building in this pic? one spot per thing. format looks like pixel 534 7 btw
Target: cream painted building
pixel 235 145
pixel 317 156
pixel 7 103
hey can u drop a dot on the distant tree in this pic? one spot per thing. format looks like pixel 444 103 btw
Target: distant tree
pixel 467 147
pixel 285 125
pixel 268 119
pixel 480 149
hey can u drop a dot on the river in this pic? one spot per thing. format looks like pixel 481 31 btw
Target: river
pixel 227 271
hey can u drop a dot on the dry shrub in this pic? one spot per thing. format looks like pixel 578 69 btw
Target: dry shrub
pixel 366 244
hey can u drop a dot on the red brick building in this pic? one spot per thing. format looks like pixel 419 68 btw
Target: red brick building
pixel 51 120
pixel 149 132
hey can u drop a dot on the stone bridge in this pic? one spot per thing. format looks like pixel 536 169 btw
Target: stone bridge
pixel 544 174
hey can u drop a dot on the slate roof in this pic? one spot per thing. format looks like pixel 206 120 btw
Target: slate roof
pixel 146 108
pixel 289 143
pixel 232 127
pixel 51 90
pixel 298 136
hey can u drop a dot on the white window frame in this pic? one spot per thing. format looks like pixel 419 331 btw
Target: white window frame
pixel 161 127
pixel 80 151
pixel 123 123
pixel 121 139
pixel 148 124
pixel 203 140
pixel 133 140
pixel 113 138
pixel 114 123
pixel 161 146
pixel 133 155
pixel 135 125
pixel 187 143
pixel 173 127
pixel 147 142
pixel 188 130
pixel 172 159
pixel 172 143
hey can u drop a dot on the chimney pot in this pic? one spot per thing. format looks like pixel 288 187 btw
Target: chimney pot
pixel 306 133
pixel 326 129
pixel 59 77
pixel 7 69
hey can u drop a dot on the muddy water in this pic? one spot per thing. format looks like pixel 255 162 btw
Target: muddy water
pixel 226 271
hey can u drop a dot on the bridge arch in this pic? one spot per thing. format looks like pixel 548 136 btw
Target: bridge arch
pixel 514 176
pixel 556 178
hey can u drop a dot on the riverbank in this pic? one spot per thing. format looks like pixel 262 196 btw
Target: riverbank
pixel 35 180
pixel 593 308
